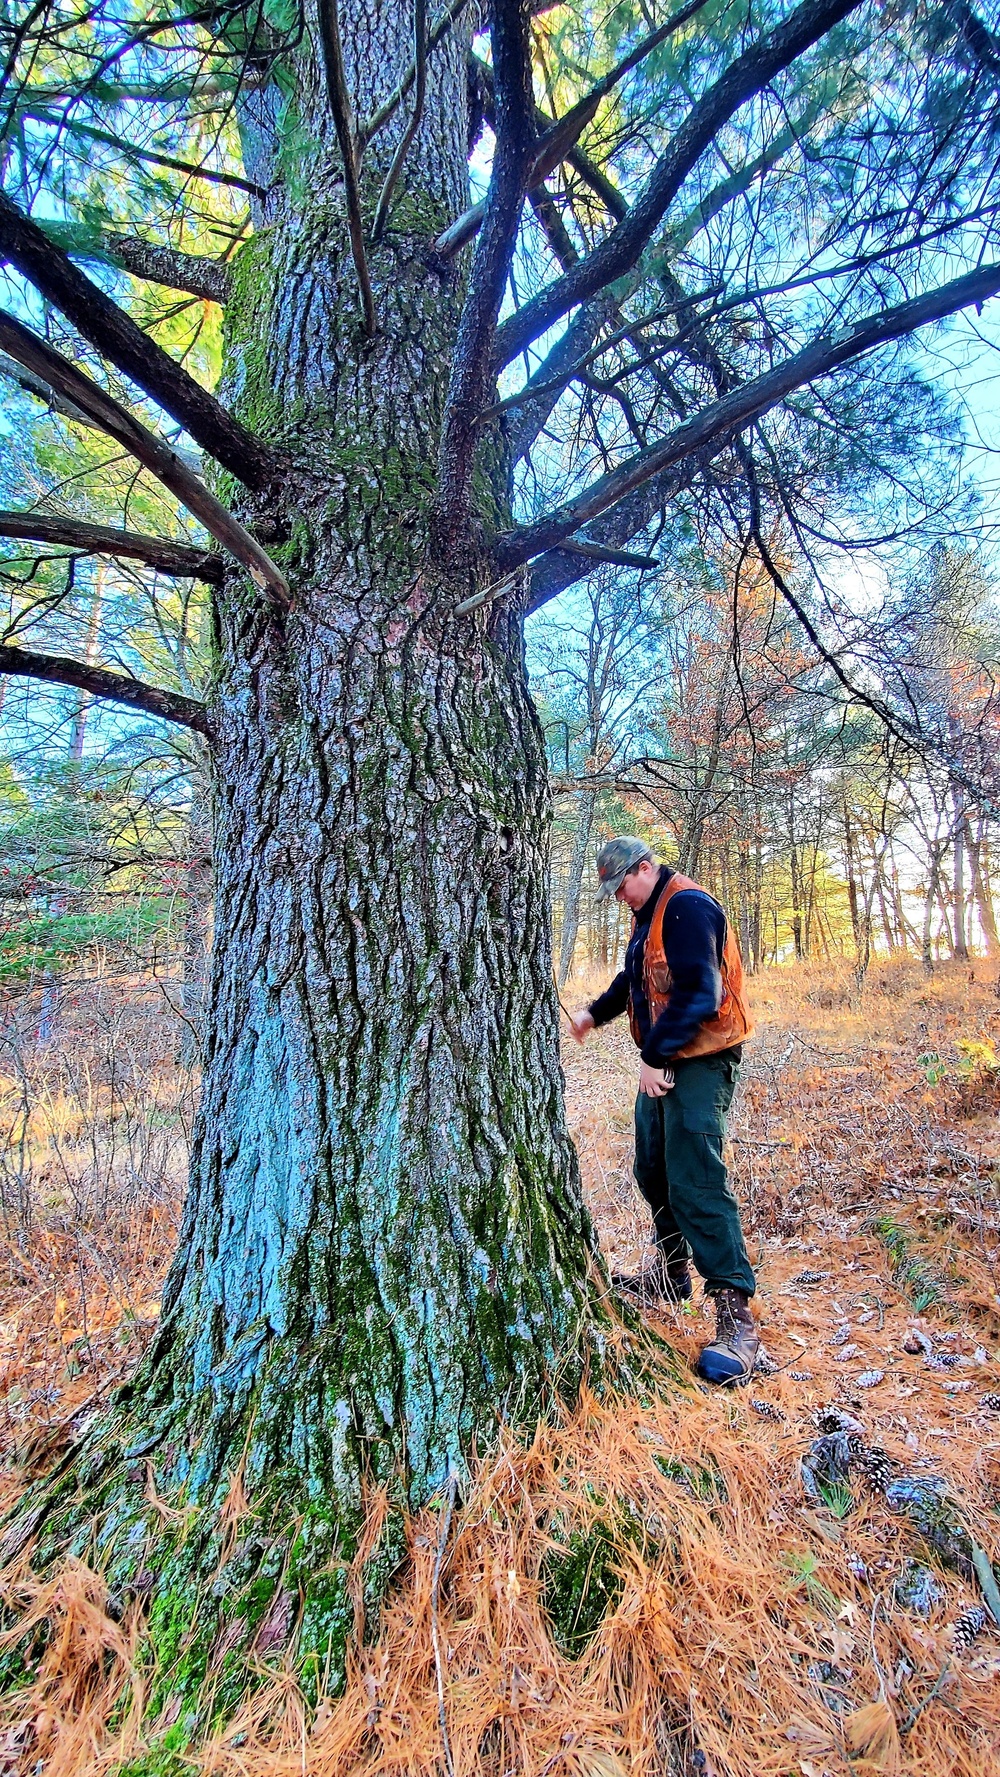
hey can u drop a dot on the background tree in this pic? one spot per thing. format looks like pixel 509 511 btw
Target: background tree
pixel 595 668
pixel 430 416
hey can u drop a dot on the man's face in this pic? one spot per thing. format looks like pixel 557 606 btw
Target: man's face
pixel 635 889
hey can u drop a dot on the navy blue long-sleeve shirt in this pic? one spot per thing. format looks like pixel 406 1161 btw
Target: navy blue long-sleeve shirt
pixel 694 933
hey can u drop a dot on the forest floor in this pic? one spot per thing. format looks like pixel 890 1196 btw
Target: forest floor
pixel 654 1586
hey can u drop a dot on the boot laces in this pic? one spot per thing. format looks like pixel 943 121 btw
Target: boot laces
pixel 729 1319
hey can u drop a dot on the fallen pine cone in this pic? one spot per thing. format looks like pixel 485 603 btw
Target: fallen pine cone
pixel 969 1626
pixel 832 1419
pixel 768 1410
pixel 807 1376
pixel 870 1378
pixel 991 1402
pixel 876 1467
pixel 916 1341
pixel 807 1279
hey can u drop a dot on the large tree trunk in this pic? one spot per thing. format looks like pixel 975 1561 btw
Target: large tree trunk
pixel 384 1247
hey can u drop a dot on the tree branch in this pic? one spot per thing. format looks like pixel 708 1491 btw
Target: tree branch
pixel 162 553
pixel 900 727
pixel 115 687
pixel 130 152
pixel 206 278
pixel 340 107
pixel 559 568
pixel 619 558
pixel 151 451
pixel 115 335
pixel 34 385
pixel 725 418
pixel 552 148
pixel 560 137
pixel 514 122
pixel 620 250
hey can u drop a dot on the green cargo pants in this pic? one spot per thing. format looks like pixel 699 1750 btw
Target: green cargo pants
pixel 681 1173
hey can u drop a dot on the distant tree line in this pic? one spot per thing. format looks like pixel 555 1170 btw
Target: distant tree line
pixel 831 819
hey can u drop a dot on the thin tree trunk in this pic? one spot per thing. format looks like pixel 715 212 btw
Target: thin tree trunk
pixel 860 909
pixel 981 891
pixel 960 938
pixel 883 907
pixel 78 726
pixel 796 903
pixel 945 912
pixel 587 801
pixel 930 897
pixel 197 923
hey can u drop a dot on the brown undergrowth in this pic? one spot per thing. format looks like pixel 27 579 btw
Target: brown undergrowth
pixel 647 1587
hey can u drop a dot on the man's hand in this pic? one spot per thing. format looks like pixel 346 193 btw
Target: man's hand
pixel 580 1023
pixel 655 1082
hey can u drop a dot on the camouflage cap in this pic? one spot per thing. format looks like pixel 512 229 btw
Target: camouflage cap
pixel 616 859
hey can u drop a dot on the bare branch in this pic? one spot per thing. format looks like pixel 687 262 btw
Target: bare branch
pixel 559 568
pixel 559 138
pixel 552 148
pixel 34 385
pixel 115 687
pixel 899 726
pixel 130 152
pixel 162 553
pixel 340 107
pixel 115 335
pixel 620 250
pixel 724 419
pixel 413 122
pixel 619 558
pixel 151 451
pixel 538 397
pixel 515 110
pixel 974 34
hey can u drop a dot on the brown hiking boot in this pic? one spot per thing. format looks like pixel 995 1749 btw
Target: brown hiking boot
pixel 733 1352
pixel 657 1282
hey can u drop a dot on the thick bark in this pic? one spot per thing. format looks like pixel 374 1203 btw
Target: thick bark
pixel 384 1247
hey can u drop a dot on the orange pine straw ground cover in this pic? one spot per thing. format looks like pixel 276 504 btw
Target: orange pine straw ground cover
pixel 749 1629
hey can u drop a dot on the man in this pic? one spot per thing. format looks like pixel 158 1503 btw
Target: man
pixel 682 985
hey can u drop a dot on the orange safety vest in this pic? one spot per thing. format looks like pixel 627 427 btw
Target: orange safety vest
pixel 731 1024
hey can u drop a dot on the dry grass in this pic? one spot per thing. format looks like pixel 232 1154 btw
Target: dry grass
pixel 748 1629
pixel 94 1122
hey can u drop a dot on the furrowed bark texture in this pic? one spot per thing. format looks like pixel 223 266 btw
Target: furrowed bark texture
pixel 384 1247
